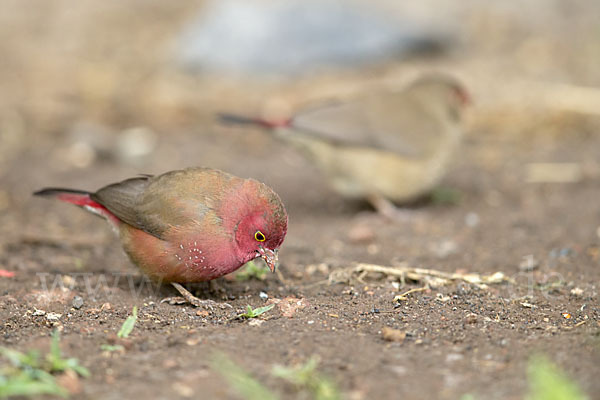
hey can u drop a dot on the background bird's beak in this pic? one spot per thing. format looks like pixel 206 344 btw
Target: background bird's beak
pixel 270 256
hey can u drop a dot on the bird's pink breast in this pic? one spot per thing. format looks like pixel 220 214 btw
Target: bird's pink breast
pixel 180 258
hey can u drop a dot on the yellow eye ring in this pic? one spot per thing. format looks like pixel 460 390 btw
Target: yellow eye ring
pixel 258 235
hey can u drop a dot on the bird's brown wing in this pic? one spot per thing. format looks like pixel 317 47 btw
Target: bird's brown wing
pixel 384 120
pixel 125 199
pixel 171 200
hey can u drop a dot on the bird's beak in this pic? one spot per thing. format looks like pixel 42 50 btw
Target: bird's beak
pixel 270 257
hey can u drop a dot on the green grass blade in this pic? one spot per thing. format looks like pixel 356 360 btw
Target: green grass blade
pixel 261 310
pixel 242 382
pixel 128 325
pixel 548 382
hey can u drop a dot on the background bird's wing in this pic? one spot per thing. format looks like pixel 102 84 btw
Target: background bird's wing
pixel 385 120
pixel 343 122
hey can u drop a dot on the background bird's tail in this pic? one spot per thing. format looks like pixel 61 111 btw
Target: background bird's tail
pixel 242 120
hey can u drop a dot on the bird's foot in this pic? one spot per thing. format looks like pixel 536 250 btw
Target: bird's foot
pixel 187 297
pixel 388 210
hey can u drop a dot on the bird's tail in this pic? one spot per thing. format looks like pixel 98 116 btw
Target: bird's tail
pixel 80 198
pixel 226 118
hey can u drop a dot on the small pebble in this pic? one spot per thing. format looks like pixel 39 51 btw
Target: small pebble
pixel 577 291
pixel 472 220
pixel 77 302
pixel 392 335
pixel 137 142
pixel 471 318
pixel 53 316
pixel 182 389
pixel 263 295
pixel 453 357
pixel 256 322
pixel 202 313
pixel 361 234
pixel 529 263
pixel 372 249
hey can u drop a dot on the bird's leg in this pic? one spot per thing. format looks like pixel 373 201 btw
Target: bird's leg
pixel 388 210
pixel 193 300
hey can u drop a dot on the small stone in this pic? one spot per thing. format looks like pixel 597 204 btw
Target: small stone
pixel 70 381
pixel 372 249
pixel 38 313
pixel 472 219
pixel 399 369
pixel 68 281
pixel 471 318
pixel 444 248
pixel 193 341
pixel 290 305
pixel 263 295
pixel 454 357
pixel 77 302
pixel 529 263
pixel 53 316
pixel 442 298
pixel 137 142
pixel 577 291
pixel 202 313
pixel 393 335
pixel 361 234
pixel 182 389
pixel 256 322
pixel 80 154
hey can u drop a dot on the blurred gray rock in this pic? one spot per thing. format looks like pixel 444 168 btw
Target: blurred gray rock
pixel 297 36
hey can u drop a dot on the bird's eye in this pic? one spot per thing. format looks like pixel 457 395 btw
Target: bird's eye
pixel 258 235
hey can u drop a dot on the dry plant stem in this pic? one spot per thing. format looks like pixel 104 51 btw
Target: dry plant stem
pixel 193 300
pixel 418 274
pixel 414 290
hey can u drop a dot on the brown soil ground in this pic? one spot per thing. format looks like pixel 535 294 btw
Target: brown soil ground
pixel 67 104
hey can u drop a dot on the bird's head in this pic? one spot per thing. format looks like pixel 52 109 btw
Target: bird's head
pixel 262 226
pixel 444 91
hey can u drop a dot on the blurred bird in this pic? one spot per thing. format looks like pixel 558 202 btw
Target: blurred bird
pixel 387 146
pixel 190 225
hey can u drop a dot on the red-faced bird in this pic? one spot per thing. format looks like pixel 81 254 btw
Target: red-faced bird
pixel 189 225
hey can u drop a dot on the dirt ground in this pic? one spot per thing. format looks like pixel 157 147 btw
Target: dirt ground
pixel 72 90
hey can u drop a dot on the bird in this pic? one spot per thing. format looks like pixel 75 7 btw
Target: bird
pixel 385 146
pixel 189 225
